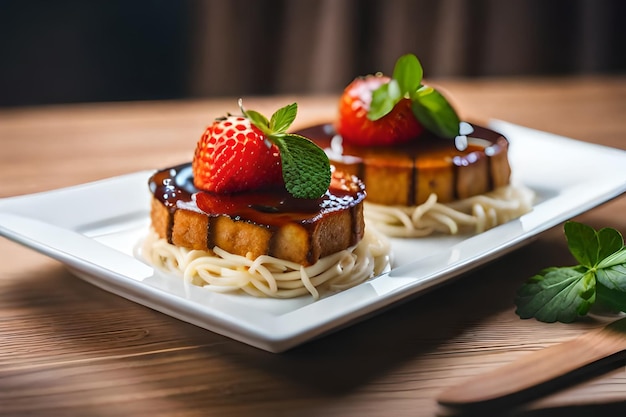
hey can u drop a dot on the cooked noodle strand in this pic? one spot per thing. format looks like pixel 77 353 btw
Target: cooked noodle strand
pixel 267 276
pixel 470 215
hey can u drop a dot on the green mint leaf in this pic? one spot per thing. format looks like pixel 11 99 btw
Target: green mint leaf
pixel 406 79
pixel 259 121
pixel 611 271
pixel 429 106
pixel 611 298
pixel 384 98
pixel 590 247
pixel 583 243
pixel 435 112
pixel 557 294
pixel 615 259
pixel 279 122
pixel 611 241
pixel 613 277
pixel 283 118
pixel 306 168
pixel 408 73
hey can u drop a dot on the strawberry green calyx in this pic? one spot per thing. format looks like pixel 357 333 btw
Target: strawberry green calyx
pixel 306 168
pixel 429 107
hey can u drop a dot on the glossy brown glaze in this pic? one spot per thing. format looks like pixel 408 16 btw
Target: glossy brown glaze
pixel 174 188
pixel 266 222
pixel 407 174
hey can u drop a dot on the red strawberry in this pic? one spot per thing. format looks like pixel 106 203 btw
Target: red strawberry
pixel 399 126
pixel 234 155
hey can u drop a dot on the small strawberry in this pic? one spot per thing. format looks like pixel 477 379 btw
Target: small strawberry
pixel 233 156
pixel 354 125
pixel 250 152
pixel 378 110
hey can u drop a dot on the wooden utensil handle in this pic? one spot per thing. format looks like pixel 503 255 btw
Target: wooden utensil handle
pixel 541 372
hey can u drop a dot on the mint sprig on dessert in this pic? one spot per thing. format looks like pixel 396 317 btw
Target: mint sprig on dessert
pixel 565 293
pixel 306 168
pixel 428 105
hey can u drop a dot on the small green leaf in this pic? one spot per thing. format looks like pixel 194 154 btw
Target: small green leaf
pixel 583 243
pixel 384 98
pixel 612 298
pixel 590 247
pixel 306 168
pixel 435 112
pixel 259 121
pixel 557 294
pixel 612 273
pixel 616 258
pixel 610 241
pixel 430 107
pixel 613 277
pixel 408 73
pixel 283 118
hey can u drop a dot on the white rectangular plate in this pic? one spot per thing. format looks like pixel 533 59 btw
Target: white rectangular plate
pixel 94 229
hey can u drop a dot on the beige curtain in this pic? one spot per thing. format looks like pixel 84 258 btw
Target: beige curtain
pixel 318 46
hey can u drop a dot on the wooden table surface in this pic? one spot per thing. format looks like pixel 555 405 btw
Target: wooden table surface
pixel 69 348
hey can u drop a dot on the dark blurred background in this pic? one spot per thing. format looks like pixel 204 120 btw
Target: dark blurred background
pixel 67 51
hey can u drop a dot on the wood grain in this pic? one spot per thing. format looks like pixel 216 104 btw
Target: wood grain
pixel 542 372
pixel 70 349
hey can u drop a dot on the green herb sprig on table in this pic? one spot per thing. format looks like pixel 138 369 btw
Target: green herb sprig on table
pixel 565 293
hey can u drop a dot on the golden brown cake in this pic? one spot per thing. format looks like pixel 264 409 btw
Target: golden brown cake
pixel 408 174
pixel 251 224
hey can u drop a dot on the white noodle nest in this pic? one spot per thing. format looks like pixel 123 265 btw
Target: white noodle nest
pixel 267 276
pixel 471 215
